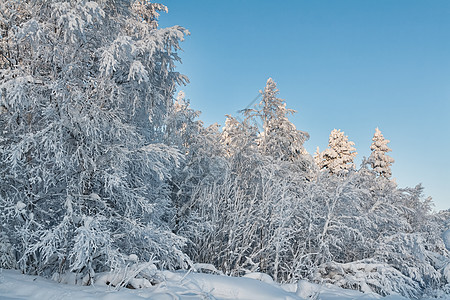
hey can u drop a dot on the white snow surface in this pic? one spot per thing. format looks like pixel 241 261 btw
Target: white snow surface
pixel 178 285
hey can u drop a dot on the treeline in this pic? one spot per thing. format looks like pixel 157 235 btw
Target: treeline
pixel 101 168
pixel 254 200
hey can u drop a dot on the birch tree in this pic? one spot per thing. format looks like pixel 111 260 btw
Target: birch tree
pixel 84 90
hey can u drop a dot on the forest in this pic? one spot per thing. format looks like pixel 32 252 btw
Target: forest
pixel 104 166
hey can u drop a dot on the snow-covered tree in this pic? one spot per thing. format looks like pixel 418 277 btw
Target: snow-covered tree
pixel 203 164
pixel 238 136
pixel 279 137
pixel 339 155
pixel 318 158
pixel 182 124
pixel 84 91
pixel 379 161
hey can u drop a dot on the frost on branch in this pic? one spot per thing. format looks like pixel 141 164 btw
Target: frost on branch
pixel 368 276
pixel 149 11
pixel 7 259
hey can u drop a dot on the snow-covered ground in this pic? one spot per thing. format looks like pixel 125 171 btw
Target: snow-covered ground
pixel 183 286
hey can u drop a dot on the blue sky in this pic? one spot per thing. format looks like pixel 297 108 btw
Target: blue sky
pixel 350 65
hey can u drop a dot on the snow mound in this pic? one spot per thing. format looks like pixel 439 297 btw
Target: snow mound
pixel 260 276
pixel 177 286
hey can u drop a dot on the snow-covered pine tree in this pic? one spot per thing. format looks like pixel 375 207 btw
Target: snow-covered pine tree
pixel 379 161
pixel 340 153
pixel 318 158
pixel 84 90
pixel 279 138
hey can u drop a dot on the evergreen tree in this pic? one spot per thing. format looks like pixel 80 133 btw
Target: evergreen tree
pixel 339 155
pixel 279 138
pixel 379 161
pixel 318 158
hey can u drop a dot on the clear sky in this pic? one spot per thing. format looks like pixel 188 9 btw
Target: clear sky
pixel 350 65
